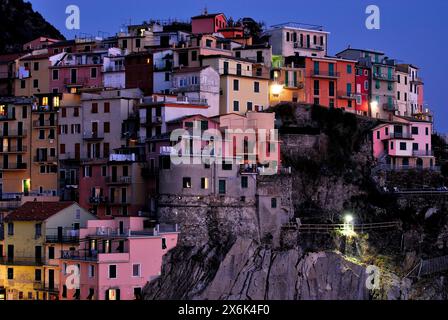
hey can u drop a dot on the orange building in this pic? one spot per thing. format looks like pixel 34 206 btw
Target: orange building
pixel 331 82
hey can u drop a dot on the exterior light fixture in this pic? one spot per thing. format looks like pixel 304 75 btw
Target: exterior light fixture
pixel 348 228
pixel 276 89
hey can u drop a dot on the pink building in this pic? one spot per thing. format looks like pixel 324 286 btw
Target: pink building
pixel 75 71
pixel 404 143
pixel 116 259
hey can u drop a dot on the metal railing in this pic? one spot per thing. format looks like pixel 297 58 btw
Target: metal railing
pixel 423 153
pixel 92 135
pixel 400 135
pixel 14 149
pixel 329 74
pixel 45 159
pixel 118 180
pixel 381 76
pixel 44 123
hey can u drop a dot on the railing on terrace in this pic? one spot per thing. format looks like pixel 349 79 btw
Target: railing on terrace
pixel 14 149
pixel 400 135
pixel 65 235
pixel 423 153
pixel 14 133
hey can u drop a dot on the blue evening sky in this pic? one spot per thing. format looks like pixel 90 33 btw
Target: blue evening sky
pixel 412 31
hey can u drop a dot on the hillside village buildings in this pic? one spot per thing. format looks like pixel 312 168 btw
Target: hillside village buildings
pixel 86 124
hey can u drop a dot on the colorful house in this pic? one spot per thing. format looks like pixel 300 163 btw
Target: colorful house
pixel 116 259
pixel 208 23
pixel 404 143
pixel 35 235
pixel 330 82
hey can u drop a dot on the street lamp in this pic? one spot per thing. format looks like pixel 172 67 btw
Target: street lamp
pixel 349 226
pixel 276 89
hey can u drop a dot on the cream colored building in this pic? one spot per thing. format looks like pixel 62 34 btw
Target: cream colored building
pixel 32 75
pixel 242 89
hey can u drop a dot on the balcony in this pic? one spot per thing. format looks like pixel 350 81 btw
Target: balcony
pixel 423 153
pixel 95 256
pixel 68 182
pixel 417 81
pixel 14 149
pixel 22 261
pixel 294 85
pixel 189 100
pixel 122 157
pixel 93 136
pixel 114 69
pixel 79 82
pixel 13 166
pixel 44 109
pixel 13 133
pixel 390 106
pixel 346 95
pixel 325 74
pixel 119 180
pixel 7 116
pixel 40 286
pixel 44 123
pixel 45 159
pixel 384 77
pixel 70 236
pixel 188 88
pixel 298 45
pixel 400 135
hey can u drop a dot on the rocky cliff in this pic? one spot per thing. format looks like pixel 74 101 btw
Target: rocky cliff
pixel 231 256
pixel 20 24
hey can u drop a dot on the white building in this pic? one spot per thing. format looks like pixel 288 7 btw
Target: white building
pixel 114 70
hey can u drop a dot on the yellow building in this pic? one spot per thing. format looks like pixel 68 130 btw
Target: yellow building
pixel 32 74
pixel 244 84
pixel 44 147
pixel 288 84
pixel 15 135
pixel 34 236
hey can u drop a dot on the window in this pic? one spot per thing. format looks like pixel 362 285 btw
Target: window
pixel 386 131
pixel 274 203
pixel 38 275
pixel 136 270
pixel 186 184
pixel 38 230
pixel 106 107
pixel 55 74
pixel 415 146
pixel 249 106
pixel 138 43
pixel 10 274
pixel 204 183
pixel 226 166
pixel 222 186
pixel 366 85
pixel 22 84
pixel 36 83
pixel 331 88
pixel 167 76
pixel 94 108
pixel 194 55
pixel 236 85
pixel 391 145
pixel 349 69
pixel 208 43
pixel 244 182
pixel 414 130
pixel 256 87
pixel 106 127
pixel 10 229
pixel 91 271
pixel 87 171
pixel 76 112
pixel 51 253
pixel 36 66
pixel 316 87
pixel 164 246
pixel 403 146
pixel 427 131
pixel 112 271
pixel 236 106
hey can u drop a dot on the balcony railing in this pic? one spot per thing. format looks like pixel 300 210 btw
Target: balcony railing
pixel 47 159
pixel 13 133
pixel 113 69
pixel 400 135
pixel 346 95
pixel 299 45
pixel 44 123
pixel 188 88
pixel 22 261
pixel 118 180
pixel 40 286
pixel 294 85
pixel 325 74
pixel 76 82
pixel 386 77
pixel 423 153
pixel 92 136
pixel 14 149
pixel 13 166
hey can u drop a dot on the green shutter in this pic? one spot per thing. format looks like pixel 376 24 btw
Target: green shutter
pixel 286 78
pixel 295 79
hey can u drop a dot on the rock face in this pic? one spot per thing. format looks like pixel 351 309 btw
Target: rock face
pixel 252 272
pixel 20 24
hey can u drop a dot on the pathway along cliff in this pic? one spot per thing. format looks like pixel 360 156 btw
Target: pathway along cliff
pixel 229 252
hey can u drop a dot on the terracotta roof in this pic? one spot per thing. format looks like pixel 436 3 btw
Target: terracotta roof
pixel 37 211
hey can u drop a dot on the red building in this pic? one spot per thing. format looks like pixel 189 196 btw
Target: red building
pixel 139 72
pixel 330 82
pixel 362 90
pixel 208 23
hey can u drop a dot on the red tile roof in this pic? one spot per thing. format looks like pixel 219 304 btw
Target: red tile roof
pixel 37 211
